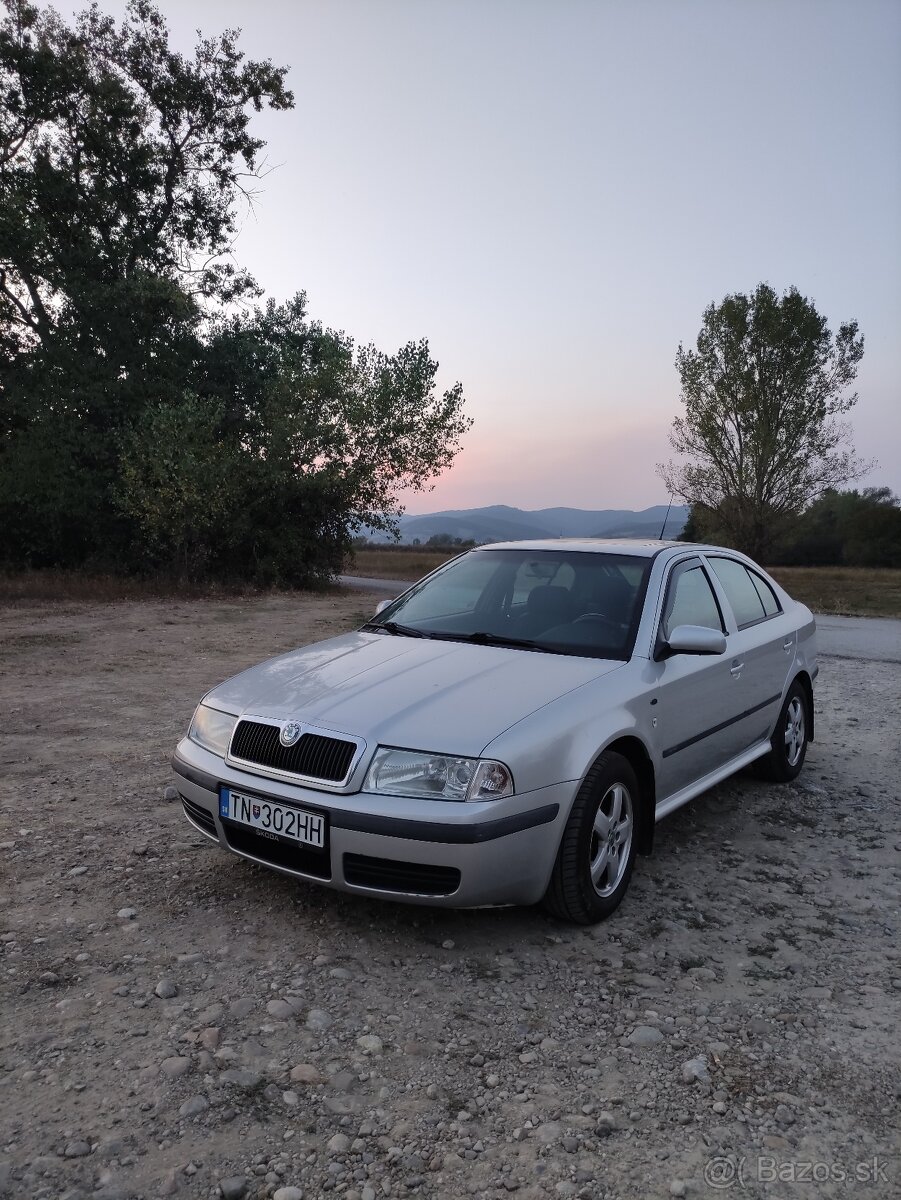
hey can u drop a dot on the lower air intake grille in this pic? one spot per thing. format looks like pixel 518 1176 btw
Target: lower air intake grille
pixel 313 756
pixel 200 816
pixel 390 875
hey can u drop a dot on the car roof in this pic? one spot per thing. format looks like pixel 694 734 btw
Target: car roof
pixel 640 547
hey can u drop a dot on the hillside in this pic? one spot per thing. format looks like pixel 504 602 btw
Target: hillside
pixel 500 522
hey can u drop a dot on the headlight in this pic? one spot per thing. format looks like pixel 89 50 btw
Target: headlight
pixel 212 729
pixel 437 776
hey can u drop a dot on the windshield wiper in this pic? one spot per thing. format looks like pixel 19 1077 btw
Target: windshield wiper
pixel 481 637
pixel 399 630
pixel 499 639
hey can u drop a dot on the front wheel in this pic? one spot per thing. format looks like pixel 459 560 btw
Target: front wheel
pixel 597 852
pixel 788 747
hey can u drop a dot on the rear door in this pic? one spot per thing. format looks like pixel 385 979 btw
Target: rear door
pixel 762 644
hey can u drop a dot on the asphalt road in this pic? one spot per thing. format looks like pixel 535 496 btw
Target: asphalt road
pixel 877 639
pixel 874 638
pixel 392 587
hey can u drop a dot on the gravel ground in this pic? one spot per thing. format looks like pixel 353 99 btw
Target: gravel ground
pixel 176 1021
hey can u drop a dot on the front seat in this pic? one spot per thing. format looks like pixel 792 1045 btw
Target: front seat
pixel 548 606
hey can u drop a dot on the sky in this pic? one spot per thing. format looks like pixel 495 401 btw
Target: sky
pixel 553 191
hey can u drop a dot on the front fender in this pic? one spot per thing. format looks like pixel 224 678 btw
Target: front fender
pixel 559 742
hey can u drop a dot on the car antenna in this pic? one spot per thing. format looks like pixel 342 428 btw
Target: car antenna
pixel 666 518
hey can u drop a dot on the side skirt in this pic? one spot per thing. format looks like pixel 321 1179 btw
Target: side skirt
pixel 671 803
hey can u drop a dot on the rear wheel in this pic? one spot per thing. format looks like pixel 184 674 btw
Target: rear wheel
pixel 788 746
pixel 597 852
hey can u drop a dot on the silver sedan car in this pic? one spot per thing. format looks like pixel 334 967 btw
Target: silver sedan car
pixel 510 729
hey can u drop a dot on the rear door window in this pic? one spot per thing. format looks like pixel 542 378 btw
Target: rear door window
pixel 750 596
pixel 767 596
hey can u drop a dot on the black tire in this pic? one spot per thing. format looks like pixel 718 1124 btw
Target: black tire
pixel 788 745
pixel 573 894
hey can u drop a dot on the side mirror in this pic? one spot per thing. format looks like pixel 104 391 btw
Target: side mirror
pixel 382 604
pixel 695 639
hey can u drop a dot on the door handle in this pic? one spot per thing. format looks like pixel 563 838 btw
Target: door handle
pixel 787 645
pixel 735 669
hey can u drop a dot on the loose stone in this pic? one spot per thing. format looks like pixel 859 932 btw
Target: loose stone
pixel 370 1043
pixel 318 1019
pixel 695 1070
pixel 194 1107
pixel 175 1067
pixel 233 1188
pixel 305 1073
pixel 644 1035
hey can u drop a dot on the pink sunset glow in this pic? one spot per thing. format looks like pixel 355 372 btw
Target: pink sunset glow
pixel 555 469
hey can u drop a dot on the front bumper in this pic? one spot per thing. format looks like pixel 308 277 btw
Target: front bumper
pixel 419 851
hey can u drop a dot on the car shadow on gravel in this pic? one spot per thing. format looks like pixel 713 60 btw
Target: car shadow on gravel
pixel 705 832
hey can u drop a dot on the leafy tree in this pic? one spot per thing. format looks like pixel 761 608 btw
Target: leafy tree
pixel 299 436
pixel 693 529
pixel 122 160
pixel 763 393
pixel 847 527
pixel 121 164
pixel 872 530
pixel 147 421
pixel 817 537
pixel 177 483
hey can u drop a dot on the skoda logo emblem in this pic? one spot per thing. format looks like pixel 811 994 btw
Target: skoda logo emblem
pixel 291 731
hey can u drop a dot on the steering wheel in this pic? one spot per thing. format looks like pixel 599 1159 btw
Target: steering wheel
pixel 613 626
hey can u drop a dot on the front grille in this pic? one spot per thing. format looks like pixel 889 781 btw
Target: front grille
pixel 390 875
pixel 200 816
pixel 313 756
pixel 282 853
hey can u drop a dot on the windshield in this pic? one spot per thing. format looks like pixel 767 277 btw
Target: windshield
pixel 562 602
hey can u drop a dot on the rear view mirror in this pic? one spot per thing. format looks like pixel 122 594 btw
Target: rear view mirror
pixel 382 604
pixel 696 639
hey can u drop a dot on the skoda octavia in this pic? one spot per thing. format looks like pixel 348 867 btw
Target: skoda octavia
pixel 511 728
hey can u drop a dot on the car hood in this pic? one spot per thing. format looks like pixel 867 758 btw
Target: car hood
pixel 451 697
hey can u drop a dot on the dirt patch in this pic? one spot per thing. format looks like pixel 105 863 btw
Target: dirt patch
pixel 179 1022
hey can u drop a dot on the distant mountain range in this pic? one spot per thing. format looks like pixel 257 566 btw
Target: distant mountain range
pixel 500 523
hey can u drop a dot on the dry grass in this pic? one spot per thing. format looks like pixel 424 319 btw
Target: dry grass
pixel 26 587
pixel 847 591
pixel 395 562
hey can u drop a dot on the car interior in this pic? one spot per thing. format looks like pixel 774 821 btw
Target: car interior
pixel 572 603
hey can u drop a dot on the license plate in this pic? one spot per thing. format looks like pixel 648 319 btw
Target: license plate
pixel 274 820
